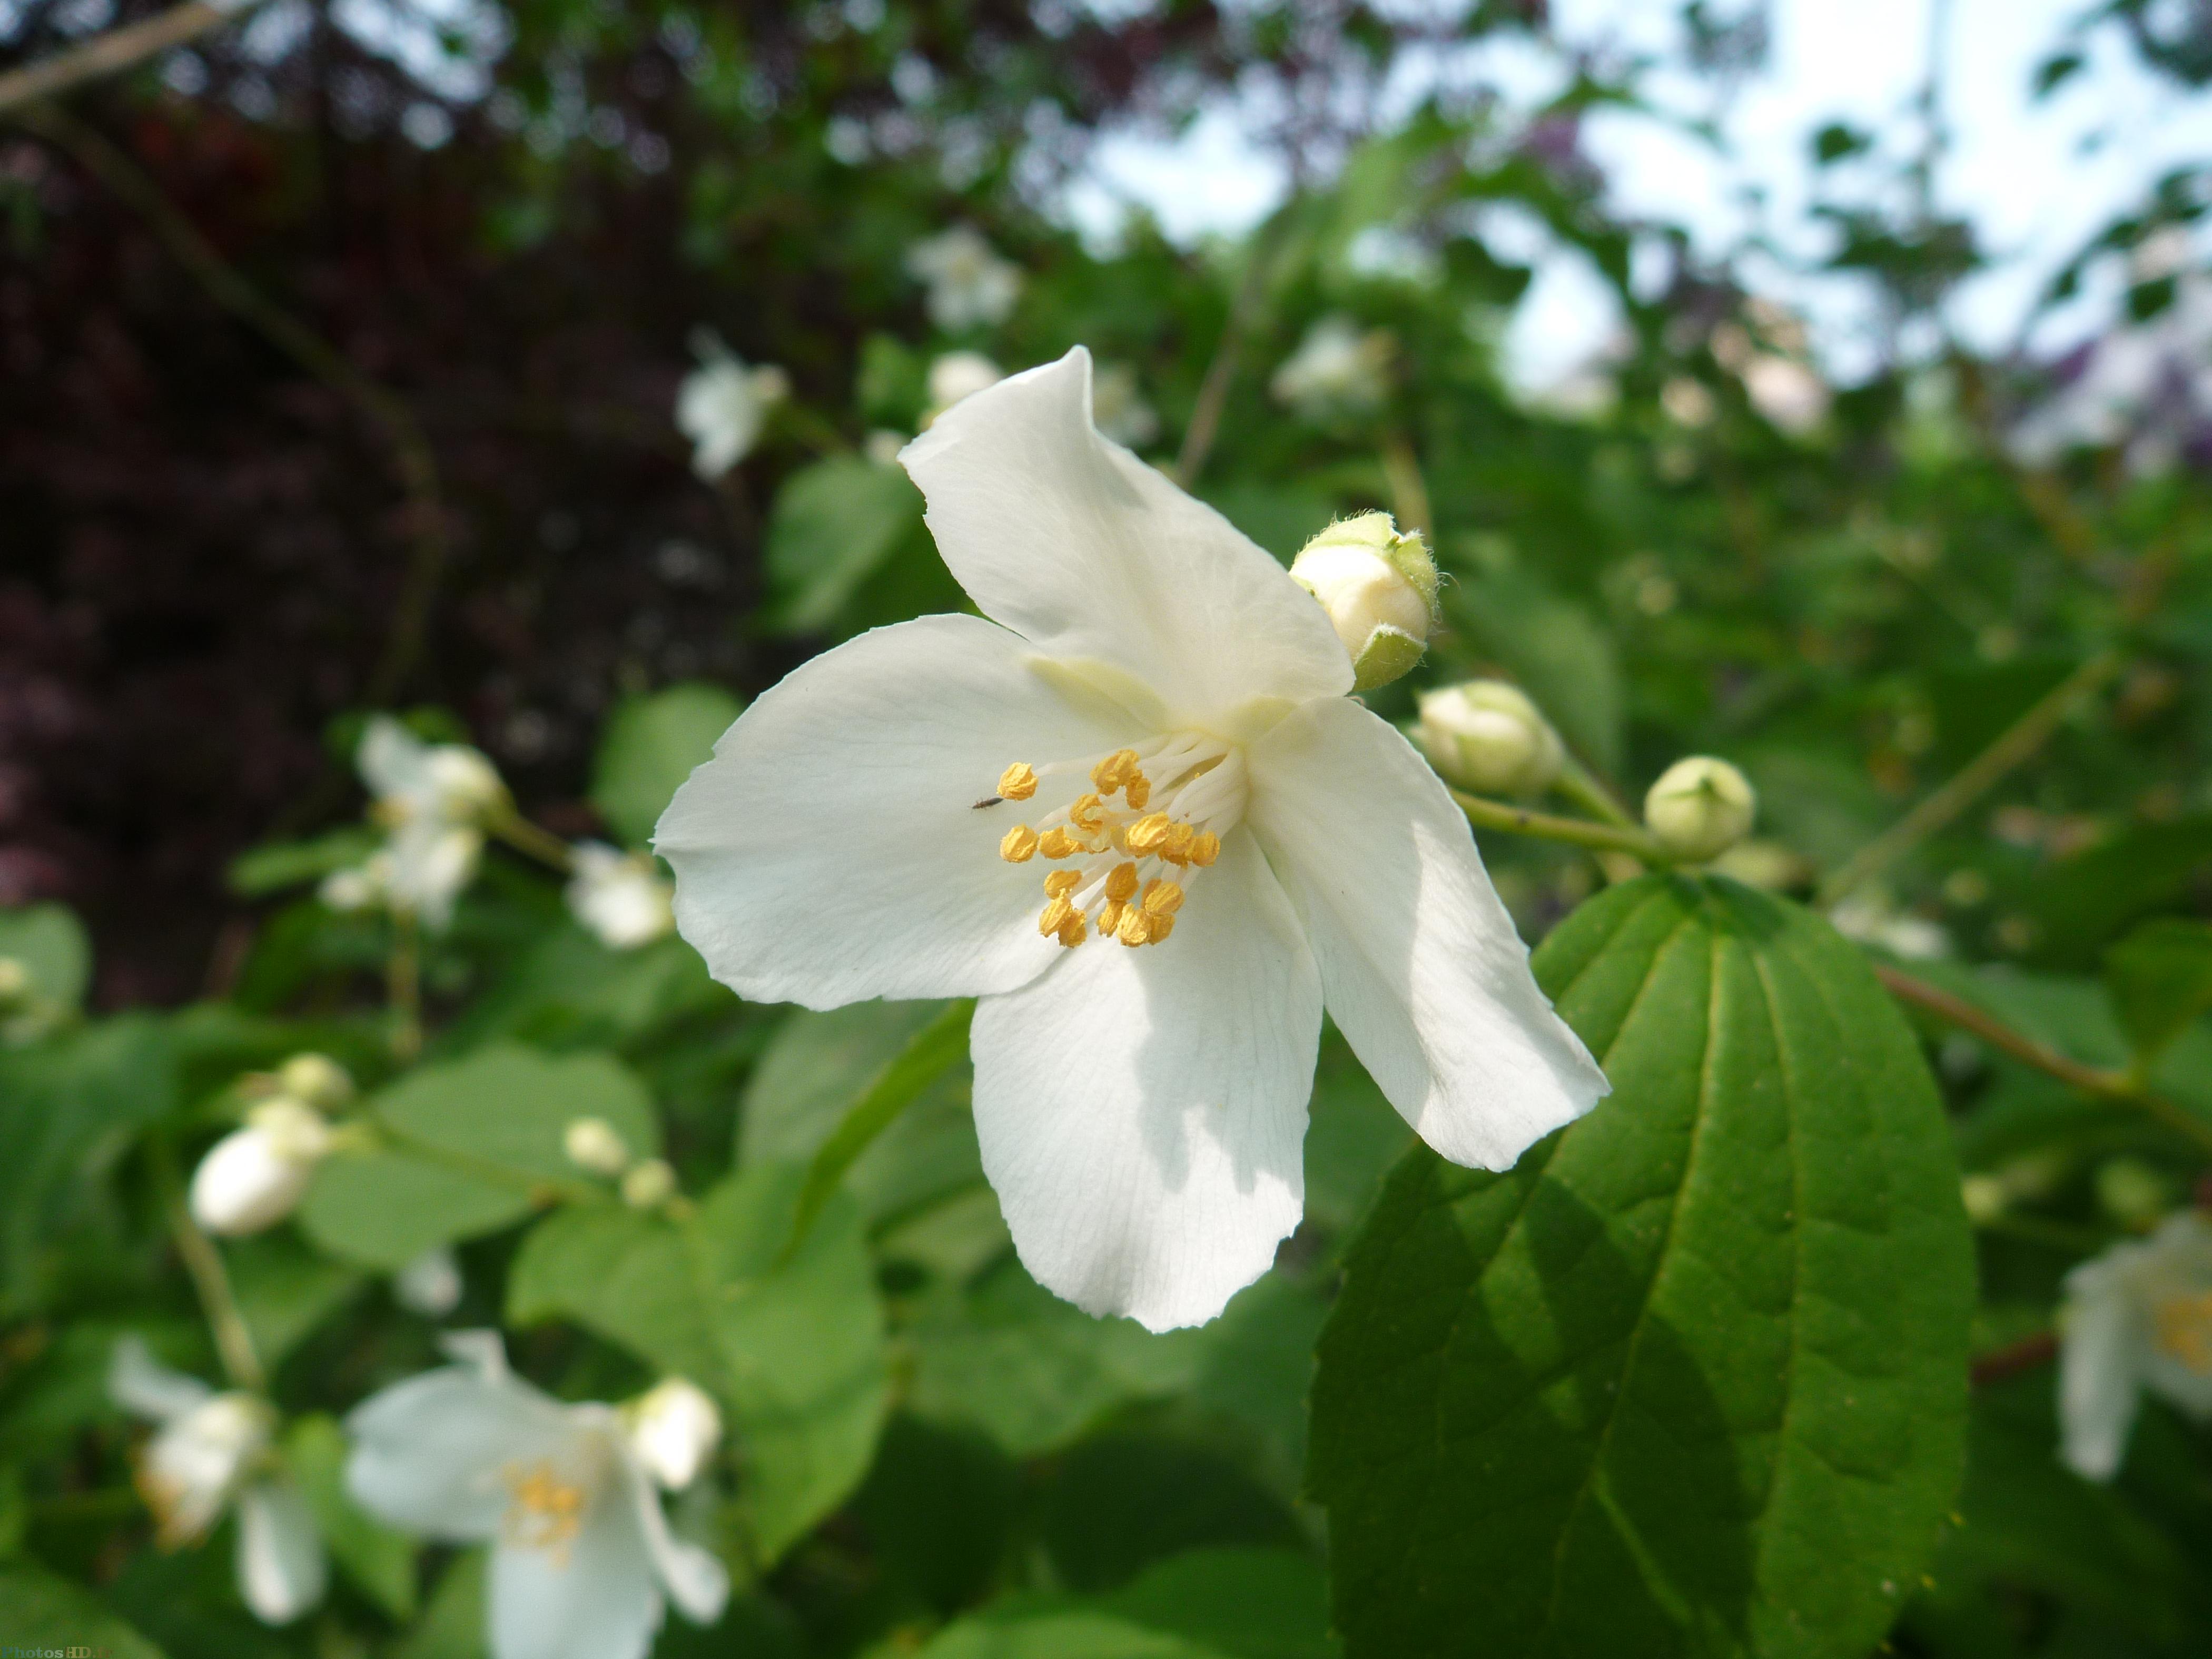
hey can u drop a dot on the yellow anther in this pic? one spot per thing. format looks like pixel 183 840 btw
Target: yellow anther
pixel 543 1511
pixel 1148 834
pixel 1059 844
pixel 1018 845
pixel 1061 883
pixel 1137 791
pixel 1135 928
pixel 2185 1331
pixel 1121 882
pixel 1055 916
pixel 1111 917
pixel 1017 781
pixel 1205 848
pixel 1072 932
pixel 1159 928
pixel 1177 850
pixel 1087 814
pixel 1162 898
pixel 1111 773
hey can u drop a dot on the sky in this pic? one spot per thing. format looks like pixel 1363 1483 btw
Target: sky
pixel 2036 180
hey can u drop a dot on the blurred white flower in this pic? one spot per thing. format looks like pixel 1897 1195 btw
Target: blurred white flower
pixel 581 1555
pixel 883 445
pixel 674 1428
pixel 1154 718
pixel 2138 1317
pixel 212 1451
pixel 723 405
pixel 432 800
pixel 1338 369
pixel 255 1176
pixel 594 1144
pixel 430 1284
pixel 968 283
pixel 1118 408
pixel 622 897
pixel 1871 919
pixel 1787 392
pixel 955 375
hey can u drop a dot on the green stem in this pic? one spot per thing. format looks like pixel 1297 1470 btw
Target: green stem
pixel 234 1340
pixel 402 978
pixel 527 838
pixel 1543 826
pixel 2013 745
pixel 1221 372
pixel 1581 786
pixel 1409 489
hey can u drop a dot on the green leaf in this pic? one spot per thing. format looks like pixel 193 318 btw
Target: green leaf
pixel 505 1109
pixel 383 1209
pixel 648 748
pixel 453 1626
pixel 1057 1633
pixel 260 870
pixel 1691 1379
pixel 380 1561
pixel 45 1612
pixel 833 525
pixel 627 1275
pixel 285 1290
pixel 937 1045
pixel 51 945
pixel 1250 1604
pixel 2160 980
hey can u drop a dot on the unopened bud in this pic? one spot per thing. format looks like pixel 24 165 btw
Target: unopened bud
pixel 14 982
pixel 1699 808
pixel 1487 736
pixel 253 1177
pixel 1379 589
pixel 674 1428
pixel 1985 1199
pixel 2133 1193
pixel 593 1144
pixel 648 1185
pixel 316 1080
pixel 431 1283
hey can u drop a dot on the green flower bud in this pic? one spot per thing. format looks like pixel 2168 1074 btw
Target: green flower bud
pixel 14 982
pixel 316 1080
pixel 1699 808
pixel 648 1185
pixel 1379 588
pixel 2133 1193
pixel 594 1144
pixel 1487 736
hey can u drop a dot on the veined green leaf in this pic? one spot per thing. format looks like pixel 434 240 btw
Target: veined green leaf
pixel 649 747
pixel 2160 979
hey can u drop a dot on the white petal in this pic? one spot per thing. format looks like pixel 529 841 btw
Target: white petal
pixel 1420 962
pixel 249 1180
pixel 429 1454
pixel 393 762
pixel 592 1598
pixel 1142 1112
pixel 1082 549
pixel 281 1572
pixel 696 1582
pixel 143 1386
pixel 832 850
pixel 2100 1365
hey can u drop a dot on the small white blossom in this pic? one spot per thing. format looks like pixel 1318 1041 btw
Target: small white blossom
pixel 1118 408
pixel 594 1145
pixel 432 800
pixel 212 1452
pixel 968 283
pixel 723 406
pixel 581 1555
pixel 1154 716
pixel 957 375
pixel 2139 1316
pixel 255 1176
pixel 1338 369
pixel 1871 919
pixel 430 1284
pixel 1787 392
pixel 674 1428
pixel 622 897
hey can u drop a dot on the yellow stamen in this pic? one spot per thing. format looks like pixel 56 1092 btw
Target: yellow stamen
pixel 1111 773
pixel 1059 844
pixel 1061 883
pixel 1019 844
pixel 1157 928
pixel 1122 882
pixel 1055 916
pixel 2185 1331
pixel 1072 932
pixel 543 1511
pixel 1137 791
pixel 1162 898
pixel 1111 917
pixel 1177 850
pixel 1205 848
pixel 1018 782
pixel 1148 834
pixel 1087 814
pixel 1135 928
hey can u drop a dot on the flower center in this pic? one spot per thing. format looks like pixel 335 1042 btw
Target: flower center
pixel 1128 847
pixel 2185 1331
pixel 544 1512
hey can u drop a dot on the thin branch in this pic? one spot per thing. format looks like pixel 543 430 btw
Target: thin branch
pixel 2117 1087
pixel 2014 1357
pixel 114 51
pixel 2015 745
pixel 1409 489
pixel 417 466
pixel 234 1340
pixel 528 839
pixel 1228 353
pixel 1579 832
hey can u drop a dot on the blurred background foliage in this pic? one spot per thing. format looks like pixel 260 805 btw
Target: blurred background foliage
pixel 506 225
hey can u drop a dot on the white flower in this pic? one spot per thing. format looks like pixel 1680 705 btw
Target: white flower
pixel 255 1176
pixel 1871 919
pixel 430 1284
pixel 212 1452
pixel 1118 408
pixel 581 1554
pixel 1485 735
pixel 1699 807
pixel 2138 1317
pixel 433 800
pixel 1337 369
pixel 620 897
pixel 968 283
pixel 674 1428
pixel 1379 591
pixel 1154 718
pixel 723 404
pixel 956 375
